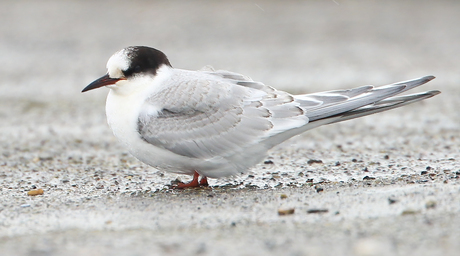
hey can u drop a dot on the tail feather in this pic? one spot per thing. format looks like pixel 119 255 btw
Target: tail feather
pixel 362 101
pixel 384 105
pixel 410 84
pixel 375 95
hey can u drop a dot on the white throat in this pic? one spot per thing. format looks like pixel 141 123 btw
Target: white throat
pixel 126 98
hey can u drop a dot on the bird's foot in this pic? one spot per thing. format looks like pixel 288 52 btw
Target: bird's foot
pixel 194 183
pixel 204 181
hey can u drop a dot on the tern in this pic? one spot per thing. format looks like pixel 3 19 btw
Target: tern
pixel 219 123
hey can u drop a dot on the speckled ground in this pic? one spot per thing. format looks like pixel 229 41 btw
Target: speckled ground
pixel 382 185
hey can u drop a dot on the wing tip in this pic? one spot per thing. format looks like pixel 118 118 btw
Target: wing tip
pixel 433 93
pixel 428 78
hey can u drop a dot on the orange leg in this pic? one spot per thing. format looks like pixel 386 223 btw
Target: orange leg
pixel 194 183
pixel 204 181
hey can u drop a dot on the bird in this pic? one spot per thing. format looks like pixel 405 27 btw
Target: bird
pixel 215 123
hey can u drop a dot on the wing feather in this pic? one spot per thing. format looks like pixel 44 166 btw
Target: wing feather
pixel 217 115
pixel 224 115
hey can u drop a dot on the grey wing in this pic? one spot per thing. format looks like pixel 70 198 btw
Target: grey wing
pixel 362 101
pixel 217 116
pixel 227 115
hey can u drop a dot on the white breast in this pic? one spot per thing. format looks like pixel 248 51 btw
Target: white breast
pixel 123 107
pixel 125 101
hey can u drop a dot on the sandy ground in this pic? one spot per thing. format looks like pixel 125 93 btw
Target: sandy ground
pixel 385 185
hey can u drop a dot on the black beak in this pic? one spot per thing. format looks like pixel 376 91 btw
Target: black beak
pixel 103 81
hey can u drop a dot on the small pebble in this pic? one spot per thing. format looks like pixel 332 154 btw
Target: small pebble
pixel 286 211
pixel 409 212
pixel 283 196
pixel 317 211
pixel 430 204
pixel 45 158
pixel 314 161
pixel 392 200
pixel 35 192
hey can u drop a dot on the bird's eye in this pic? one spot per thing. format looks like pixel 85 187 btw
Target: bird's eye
pixel 134 70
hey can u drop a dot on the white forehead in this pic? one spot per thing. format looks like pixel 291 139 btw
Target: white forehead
pixel 118 62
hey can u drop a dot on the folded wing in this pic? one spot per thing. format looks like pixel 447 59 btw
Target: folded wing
pixel 219 115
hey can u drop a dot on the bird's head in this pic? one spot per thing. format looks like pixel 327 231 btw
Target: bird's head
pixel 128 64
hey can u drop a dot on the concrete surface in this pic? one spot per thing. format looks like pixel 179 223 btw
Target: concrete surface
pixel 386 184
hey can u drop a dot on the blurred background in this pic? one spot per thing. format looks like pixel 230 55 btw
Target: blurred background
pixel 50 50
pixel 57 47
